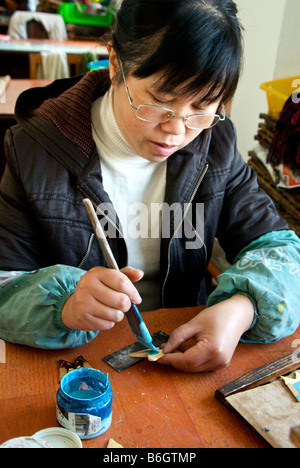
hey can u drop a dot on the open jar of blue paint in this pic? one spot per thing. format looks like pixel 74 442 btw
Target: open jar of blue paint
pixel 84 402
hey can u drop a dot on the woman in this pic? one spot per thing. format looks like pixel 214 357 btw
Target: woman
pixel 149 144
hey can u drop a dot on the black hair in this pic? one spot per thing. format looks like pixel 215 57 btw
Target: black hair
pixel 193 42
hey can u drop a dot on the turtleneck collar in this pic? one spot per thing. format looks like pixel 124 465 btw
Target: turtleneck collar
pixel 110 140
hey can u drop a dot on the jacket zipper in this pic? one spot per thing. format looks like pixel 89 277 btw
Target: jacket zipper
pixel 179 224
pixel 87 250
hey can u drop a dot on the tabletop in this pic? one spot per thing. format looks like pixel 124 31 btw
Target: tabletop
pixel 12 91
pixel 46 45
pixel 154 406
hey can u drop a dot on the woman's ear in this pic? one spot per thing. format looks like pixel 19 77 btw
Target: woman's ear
pixel 113 64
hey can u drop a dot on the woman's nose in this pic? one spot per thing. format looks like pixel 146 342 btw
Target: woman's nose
pixel 176 126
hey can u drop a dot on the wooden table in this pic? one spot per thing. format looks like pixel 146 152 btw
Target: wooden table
pixel 13 90
pixel 14 53
pixel 154 406
pixel 44 45
pixel 7 107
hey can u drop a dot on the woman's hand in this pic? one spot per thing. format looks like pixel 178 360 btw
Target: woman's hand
pixel 101 298
pixel 216 330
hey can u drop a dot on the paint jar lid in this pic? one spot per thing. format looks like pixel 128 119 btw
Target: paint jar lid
pixel 58 437
pixel 25 442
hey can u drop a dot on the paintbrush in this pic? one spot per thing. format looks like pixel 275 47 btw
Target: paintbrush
pixel 137 324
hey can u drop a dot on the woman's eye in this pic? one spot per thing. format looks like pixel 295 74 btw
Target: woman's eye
pixel 160 101
pixel 200 110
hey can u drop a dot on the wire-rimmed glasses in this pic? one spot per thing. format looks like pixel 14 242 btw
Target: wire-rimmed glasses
pixel 158 114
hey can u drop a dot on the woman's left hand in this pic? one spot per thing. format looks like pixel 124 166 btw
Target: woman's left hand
pixel 216 330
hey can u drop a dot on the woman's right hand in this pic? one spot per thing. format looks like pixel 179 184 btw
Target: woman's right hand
pixel 101 298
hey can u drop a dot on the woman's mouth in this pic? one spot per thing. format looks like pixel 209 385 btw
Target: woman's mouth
pixel 163 149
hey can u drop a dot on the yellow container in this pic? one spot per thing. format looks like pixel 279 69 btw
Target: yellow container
pixel 278 91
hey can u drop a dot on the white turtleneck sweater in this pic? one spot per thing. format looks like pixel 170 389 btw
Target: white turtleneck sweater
pixel 134 184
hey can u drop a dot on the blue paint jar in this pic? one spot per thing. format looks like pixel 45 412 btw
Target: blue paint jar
pixel 84 402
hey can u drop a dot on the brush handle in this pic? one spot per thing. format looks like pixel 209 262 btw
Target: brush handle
pixel 106 250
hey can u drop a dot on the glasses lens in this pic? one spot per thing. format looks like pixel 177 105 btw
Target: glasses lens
pixel 157 114
pixel 202 121
pixel 153 113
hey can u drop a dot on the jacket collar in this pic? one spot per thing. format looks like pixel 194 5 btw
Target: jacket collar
pixel 60 118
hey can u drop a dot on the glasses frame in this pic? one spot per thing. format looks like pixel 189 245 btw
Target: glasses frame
pixel 220 118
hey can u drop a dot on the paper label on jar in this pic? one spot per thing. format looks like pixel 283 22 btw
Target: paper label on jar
pixel 82 424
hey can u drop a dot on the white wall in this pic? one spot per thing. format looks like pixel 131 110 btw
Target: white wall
pixel 272 50
pixel 288 58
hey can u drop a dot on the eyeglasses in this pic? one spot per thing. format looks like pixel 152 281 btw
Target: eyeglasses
pixel 158 114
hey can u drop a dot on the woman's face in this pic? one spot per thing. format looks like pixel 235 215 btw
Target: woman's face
pixel 155 141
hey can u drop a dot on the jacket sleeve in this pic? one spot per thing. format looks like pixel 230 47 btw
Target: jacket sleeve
pixel 33 316
pixel 268 272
